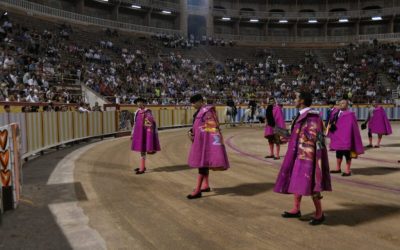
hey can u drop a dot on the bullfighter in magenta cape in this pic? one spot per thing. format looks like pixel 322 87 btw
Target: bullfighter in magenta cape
pixel 145 134
pixel 378 123
pixel 208 149
pixel 274 118
pixel 344 136
pixel 305 169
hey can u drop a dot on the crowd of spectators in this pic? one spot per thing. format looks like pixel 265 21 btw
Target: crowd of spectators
pixel 36 63
pixel 31 65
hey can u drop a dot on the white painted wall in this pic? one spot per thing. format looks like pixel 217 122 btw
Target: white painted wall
pixel 90 96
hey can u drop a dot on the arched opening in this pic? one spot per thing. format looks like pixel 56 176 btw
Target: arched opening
pixel 197 26
pixel 372 10
pixel 372 7
pixel 276 13
pixel 248 12
pixel 307 13
pixel 337 12
pixel 219 10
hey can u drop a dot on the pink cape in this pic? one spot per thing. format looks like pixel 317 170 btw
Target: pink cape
pixel 347 135
pixel 145 135
pixel 379 123
pixel 208 149
pixel 305 169
pixel 279 121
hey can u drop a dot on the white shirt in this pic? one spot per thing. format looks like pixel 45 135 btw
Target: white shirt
pixel 304 110
pixel 82 110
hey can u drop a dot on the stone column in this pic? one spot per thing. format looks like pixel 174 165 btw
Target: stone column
pixel 80 6
pixel 237 28
pixel 183 17
pixel 147 18
pixel 115 11
pixel 358 28
pixel 265 29
pixel 210 18
pixel 391 25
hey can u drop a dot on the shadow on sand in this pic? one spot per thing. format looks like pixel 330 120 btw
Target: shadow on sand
pixel 375 170
pixel 353 215
pixel 249 189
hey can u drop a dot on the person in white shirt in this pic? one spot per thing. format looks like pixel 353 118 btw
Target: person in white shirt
pixel 82 108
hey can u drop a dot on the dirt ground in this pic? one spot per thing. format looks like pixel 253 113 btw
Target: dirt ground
pixel 150 211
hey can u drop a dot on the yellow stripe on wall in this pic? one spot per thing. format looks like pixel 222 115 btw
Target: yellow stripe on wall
pixel 34 131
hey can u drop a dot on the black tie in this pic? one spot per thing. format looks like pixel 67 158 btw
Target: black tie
pixel 294 121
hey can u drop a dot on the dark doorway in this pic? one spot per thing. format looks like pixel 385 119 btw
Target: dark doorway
pixel 197 26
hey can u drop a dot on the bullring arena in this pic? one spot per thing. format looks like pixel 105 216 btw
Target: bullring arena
pixel 71 73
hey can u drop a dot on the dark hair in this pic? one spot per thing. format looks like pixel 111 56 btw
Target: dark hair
pixel 331 103
pixel 196 98
pixel 139 99
pixel 6 106
pixel 306 97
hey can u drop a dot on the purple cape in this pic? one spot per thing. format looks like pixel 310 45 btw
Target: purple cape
pixel 379 123
pixel 347 135
pixel 305 169
pixel 208 149
pixel 279 121
pixel 145 135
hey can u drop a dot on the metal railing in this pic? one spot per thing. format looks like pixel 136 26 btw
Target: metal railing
pixel 45 10
pixel 268 14
pixel 163 5
pixel 49 11
pixel 304 15
pixel 312 39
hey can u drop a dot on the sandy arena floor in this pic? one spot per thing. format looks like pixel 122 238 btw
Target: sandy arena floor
pixel 88 197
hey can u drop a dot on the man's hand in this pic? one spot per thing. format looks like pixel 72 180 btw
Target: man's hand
pixel 191 136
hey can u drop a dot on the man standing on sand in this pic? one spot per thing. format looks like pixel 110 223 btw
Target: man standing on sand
pixel 305 169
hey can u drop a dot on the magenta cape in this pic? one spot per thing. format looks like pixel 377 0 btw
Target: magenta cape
pixel 145 135
pixel 379 123
pixel 279 121
pixel 208 149
pixel 347 135
pixel 305 169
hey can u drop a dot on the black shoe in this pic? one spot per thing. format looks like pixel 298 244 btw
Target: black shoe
pixel 137 169
pixel 376 146
pixel 206 190
pixel 269 156
pixel 369 146
pixel 314 222
pixel 336 171
pixel 346 174
pixel 290 215
pixel 190 196
pixel 140 172
pixel 277 158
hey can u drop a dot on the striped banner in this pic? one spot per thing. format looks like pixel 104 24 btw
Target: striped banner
pixel 189 115
pixel 179 116
pixel 34 131
pixel 156 115
pixel 95 123
pixel 166 118
pixel 65 126
pixel 109 122
pixel 50 128
pixel 393 113
pixel 80 125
